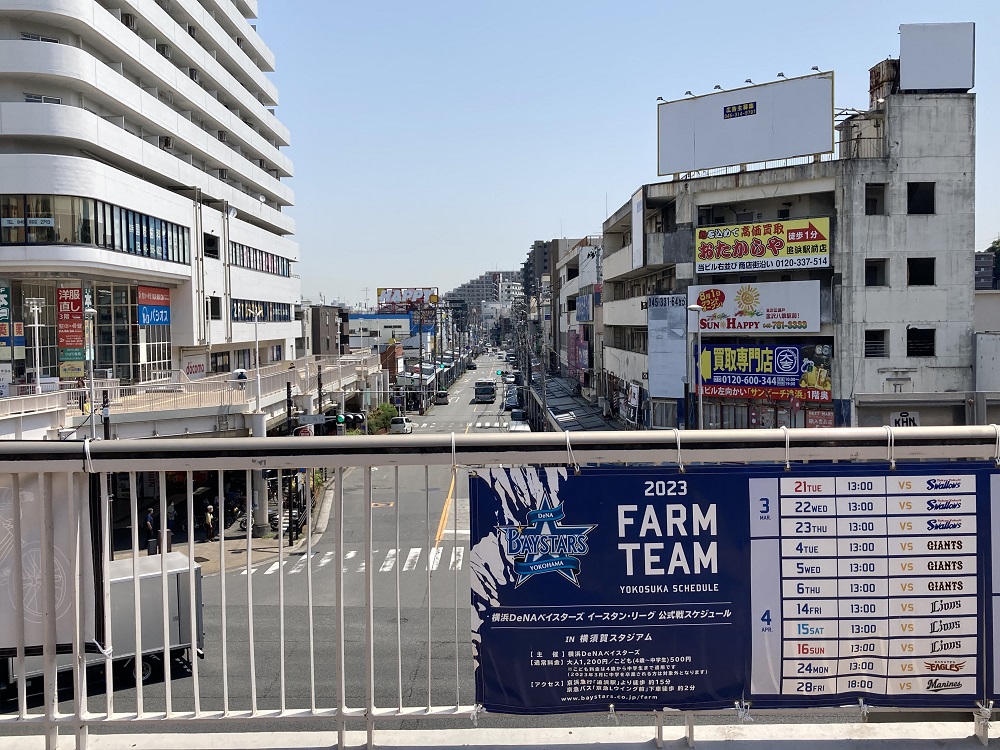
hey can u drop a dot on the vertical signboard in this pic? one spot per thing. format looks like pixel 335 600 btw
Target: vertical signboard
pixel 69 332
pixel 6 331
pixel 638 231
pixel 815 586
pixel 667 345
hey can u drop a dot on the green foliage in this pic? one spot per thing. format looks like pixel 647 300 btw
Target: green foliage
pixel 379 417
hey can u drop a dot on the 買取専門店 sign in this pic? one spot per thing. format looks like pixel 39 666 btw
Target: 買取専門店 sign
pixel 763 246
pixel 756 309
pixel 779 372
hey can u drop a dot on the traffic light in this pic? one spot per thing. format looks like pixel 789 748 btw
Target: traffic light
pixel 499 372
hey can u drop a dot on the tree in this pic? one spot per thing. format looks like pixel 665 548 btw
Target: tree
pixel 379 418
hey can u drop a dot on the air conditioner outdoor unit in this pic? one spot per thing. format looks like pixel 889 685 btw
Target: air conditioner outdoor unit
pixel 223 136
pixel 193 31
pixel 163 49
pixel 223 174
pixel 193 73
pixel 129 20
pixel 262 163
pixel 239 42
pixel 166 141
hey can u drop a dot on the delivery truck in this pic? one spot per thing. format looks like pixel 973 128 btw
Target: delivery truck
pixel 123 617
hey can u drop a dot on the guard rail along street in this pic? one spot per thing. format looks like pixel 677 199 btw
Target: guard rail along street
pixel 674 580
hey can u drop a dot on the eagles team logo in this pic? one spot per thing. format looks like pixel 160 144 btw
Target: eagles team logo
pixel 544 545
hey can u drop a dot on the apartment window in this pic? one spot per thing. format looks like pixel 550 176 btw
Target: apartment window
pixel 920 342
pixel 219 362
pixel 211 243
pixel 876 343
pixel 875 199
pixel 920 197
pixel 214 305
pixel 876 272
pixel 784 213
pixel 920 271
pixel 38 38
pixel 39 99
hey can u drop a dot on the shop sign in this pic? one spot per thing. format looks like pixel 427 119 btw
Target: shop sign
pixel 756 309
pixel 779 372
pixel 764 246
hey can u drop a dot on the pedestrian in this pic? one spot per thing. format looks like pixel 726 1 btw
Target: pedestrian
pixel 241 376
pixel 147 526
pixel 209 524
pixel 81 393
pixel 171 515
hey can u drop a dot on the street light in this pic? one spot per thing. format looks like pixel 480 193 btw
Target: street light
pixel 35 307
pixel 91 315
pixel 697 374
pixel 256 352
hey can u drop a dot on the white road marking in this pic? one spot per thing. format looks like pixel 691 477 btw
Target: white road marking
pixel 411 559
pixel 389 563
pixel 348 555
pixel 302 563
pixel 274 567
pixel 364 563
pixel 326 559
pixel 456 558
pixel 434 558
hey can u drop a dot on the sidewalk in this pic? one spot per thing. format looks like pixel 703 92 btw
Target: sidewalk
pixel 231 552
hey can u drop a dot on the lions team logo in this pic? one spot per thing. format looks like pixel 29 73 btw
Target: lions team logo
pixel 544 545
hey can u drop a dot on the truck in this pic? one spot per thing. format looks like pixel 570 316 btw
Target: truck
pixel 182 644
pixel 486 391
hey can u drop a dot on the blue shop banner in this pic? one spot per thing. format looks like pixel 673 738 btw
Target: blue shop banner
pixel 821 585
pixel 615 587
pixel 154 315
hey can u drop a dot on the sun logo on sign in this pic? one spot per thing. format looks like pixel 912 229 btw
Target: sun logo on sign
pixel 747 298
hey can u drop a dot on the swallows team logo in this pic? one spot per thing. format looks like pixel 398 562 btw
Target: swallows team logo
pixel 544 545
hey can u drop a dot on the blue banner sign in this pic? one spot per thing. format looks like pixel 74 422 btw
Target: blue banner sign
pixel 649 588
pixel 154 315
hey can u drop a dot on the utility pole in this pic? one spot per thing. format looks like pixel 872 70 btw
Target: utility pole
pixel 319 393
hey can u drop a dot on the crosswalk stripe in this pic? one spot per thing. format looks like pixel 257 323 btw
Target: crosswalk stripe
pixel 348 555
pixel 326 559
pixel 389 562
pixel 364 563
pixel 302 563
pixel 434 558
pixel 274 567
pixel 456 558
pixel 411 559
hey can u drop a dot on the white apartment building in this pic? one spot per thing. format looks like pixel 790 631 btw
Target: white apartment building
pixel 141 178
pixel 578 268
pixel 889 327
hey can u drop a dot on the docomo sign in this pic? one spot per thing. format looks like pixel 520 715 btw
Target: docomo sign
pixel 775 307
pixel 763 246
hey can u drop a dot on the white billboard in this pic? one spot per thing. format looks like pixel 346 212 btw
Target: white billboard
pixel 756 309
pixel 638 231
pixel 792 117
pixel 667 345
pixel 936 56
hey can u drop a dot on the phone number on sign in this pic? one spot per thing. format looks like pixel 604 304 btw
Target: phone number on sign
pixel 778 381
pixel 821 261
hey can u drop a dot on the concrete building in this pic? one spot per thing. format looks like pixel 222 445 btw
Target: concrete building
pixel 141 178
pixel 890 315
pixel 329 329
pixel 578 269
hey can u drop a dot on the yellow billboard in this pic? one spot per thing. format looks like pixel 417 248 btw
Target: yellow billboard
pixel 763 246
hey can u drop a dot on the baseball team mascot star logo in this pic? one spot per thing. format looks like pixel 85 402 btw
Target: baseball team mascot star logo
pixel 544 545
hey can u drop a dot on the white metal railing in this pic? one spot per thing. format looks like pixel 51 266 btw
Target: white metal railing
pixel 271 660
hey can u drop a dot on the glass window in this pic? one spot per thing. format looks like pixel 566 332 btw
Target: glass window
pixel 40 219
pixel 118 232
pixel 99 224
pixel 12 218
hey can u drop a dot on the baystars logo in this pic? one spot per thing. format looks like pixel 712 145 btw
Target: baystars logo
pixel 544 545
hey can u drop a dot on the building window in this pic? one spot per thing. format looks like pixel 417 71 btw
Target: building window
pixel 876 272
pixel 38 38
pixel 920 342
pixel 220 362
pixel 784 213
pixel 920 197
pixel 875 199
pixel 876 343
pixel 920 271
pixel 39 99
pixel 211 246
pixel 214 305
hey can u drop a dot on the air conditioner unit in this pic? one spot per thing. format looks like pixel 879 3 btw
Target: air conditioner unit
pixel 223 136
pixel 223 174
pixel 193 74
pixel 166 141
pixel 239 42
pixel 163 49
pixel 193 31
pixel 262 163
pixel 129 20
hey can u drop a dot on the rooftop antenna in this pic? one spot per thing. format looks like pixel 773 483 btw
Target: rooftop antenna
pixel 366 290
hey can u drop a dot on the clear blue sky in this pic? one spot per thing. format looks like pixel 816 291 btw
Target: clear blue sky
pixel 436 140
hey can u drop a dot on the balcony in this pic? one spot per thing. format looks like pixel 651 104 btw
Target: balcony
pixel 362 622
pixel 669 248
pixel 625 312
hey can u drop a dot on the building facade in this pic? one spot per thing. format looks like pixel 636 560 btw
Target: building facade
pixel 141 191
pixel 826 290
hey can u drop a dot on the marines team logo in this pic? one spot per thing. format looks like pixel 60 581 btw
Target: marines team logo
pixel 544 545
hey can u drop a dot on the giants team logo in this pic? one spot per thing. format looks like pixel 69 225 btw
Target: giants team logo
pixel 544 545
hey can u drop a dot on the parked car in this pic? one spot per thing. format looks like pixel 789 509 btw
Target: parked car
pixel 472 366
pixel 400 426
pixel 441 398
pixel 511 402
